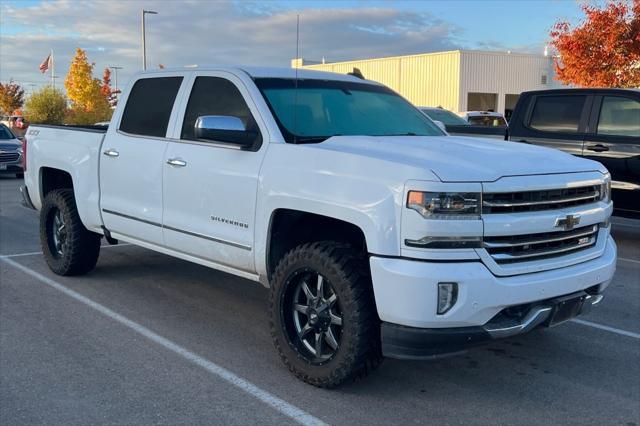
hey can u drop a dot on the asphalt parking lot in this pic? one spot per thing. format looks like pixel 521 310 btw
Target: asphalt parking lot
pixel 146 338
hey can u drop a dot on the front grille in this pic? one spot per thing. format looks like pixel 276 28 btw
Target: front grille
pixel 7 157
pixel 524 248
pixel 549 199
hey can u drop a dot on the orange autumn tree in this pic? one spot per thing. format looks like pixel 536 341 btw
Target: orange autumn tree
pixel 603 50
pixel 88 104
pixel 105 89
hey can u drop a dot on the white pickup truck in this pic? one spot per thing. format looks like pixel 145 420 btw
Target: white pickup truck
pixel 377 234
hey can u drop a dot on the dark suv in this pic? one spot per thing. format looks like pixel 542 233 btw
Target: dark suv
pixel 10 153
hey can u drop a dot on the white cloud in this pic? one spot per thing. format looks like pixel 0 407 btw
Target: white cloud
pixel 188 32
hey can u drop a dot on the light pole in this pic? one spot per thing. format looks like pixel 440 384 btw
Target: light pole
pixel 115 74
pixel 144 46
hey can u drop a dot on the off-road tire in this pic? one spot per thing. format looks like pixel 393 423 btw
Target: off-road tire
pixel 82 246
pixel 347 270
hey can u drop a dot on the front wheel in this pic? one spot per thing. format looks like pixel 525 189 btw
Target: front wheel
pixel 68 247
pixel 323 317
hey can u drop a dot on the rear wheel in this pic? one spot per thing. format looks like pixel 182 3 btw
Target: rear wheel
pixel 68 247
pixel 323 317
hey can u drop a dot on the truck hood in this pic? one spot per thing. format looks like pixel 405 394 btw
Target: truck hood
pixel 462 159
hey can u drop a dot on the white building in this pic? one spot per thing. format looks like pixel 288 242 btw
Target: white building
pixel 459 80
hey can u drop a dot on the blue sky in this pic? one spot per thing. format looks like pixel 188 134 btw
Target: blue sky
pixel 516 22
pixel 261 32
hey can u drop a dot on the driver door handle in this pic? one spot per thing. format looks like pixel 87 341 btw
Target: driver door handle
pixel 598 148
pixel 177 162
pixel 111 153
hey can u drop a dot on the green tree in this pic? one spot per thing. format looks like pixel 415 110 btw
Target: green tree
pixel 88 104
pixel 11 97
pixel 46 106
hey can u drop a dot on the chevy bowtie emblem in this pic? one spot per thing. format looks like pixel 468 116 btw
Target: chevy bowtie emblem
pixel 568 222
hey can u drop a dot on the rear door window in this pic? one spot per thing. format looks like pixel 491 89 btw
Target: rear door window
pixel 560 114
pixel 149 106
pixel 619 116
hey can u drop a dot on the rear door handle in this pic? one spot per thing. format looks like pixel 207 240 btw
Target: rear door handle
pixel 111 153
pixel 598 148
pixel 177 162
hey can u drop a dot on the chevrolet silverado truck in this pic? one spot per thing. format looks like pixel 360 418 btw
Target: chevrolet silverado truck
pixel 376 233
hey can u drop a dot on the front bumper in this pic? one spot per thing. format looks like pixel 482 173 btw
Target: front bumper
pixel 406 294
pixel 427 343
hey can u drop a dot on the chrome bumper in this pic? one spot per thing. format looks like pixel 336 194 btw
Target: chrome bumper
pixel 535 317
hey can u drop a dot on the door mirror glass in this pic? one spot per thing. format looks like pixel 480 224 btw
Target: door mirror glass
pixel 224 128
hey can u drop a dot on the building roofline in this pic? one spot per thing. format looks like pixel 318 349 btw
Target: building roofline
pixel 444 52
pixel 386 57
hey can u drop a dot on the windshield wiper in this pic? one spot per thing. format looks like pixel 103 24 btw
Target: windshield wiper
pixel 403 134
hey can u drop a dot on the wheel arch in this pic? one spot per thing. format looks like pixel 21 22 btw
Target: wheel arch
pixel 53 178
pixel 289 228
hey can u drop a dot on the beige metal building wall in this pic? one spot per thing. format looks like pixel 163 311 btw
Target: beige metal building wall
pixel 494 79
pixel 430 79
pixel 503 74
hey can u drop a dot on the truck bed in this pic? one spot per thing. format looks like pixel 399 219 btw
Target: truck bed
pixel 71 149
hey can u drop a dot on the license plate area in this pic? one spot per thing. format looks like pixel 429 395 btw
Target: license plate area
pixel 566 307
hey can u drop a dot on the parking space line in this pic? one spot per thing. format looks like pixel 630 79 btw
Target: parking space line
pixel 269 399
pixel 34 253
pixel 607 328
pixel 629 260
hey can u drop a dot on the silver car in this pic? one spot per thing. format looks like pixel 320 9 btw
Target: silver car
pixel 10 153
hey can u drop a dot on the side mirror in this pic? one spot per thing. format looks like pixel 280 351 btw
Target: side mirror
pixel 441 125
pixel 224 128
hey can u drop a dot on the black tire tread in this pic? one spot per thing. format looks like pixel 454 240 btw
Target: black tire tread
pixel 83 246
pixel 364 354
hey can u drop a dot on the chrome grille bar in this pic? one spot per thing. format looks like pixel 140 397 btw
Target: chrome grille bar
pixel 9 156
pixel 538 253
pixel 548 199
pixel 542 240
pixel 591 197
pixel 535 246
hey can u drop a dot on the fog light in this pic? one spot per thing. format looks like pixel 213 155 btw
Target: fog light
pixel 447 296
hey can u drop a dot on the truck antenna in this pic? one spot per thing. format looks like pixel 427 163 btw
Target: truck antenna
pixel 295 100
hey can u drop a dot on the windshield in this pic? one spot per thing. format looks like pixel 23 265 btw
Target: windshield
pixel 325 108
pixel 5 133
pixel 487 120
pixel 447 117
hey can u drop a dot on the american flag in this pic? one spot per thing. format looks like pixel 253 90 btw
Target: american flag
pixel 44 66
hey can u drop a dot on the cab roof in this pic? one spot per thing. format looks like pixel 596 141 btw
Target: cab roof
pixel 268 72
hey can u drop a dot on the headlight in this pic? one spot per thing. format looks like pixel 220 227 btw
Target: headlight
pixel 445 205
pixel 605 189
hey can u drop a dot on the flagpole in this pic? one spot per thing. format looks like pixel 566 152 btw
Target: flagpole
pixel 53 81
